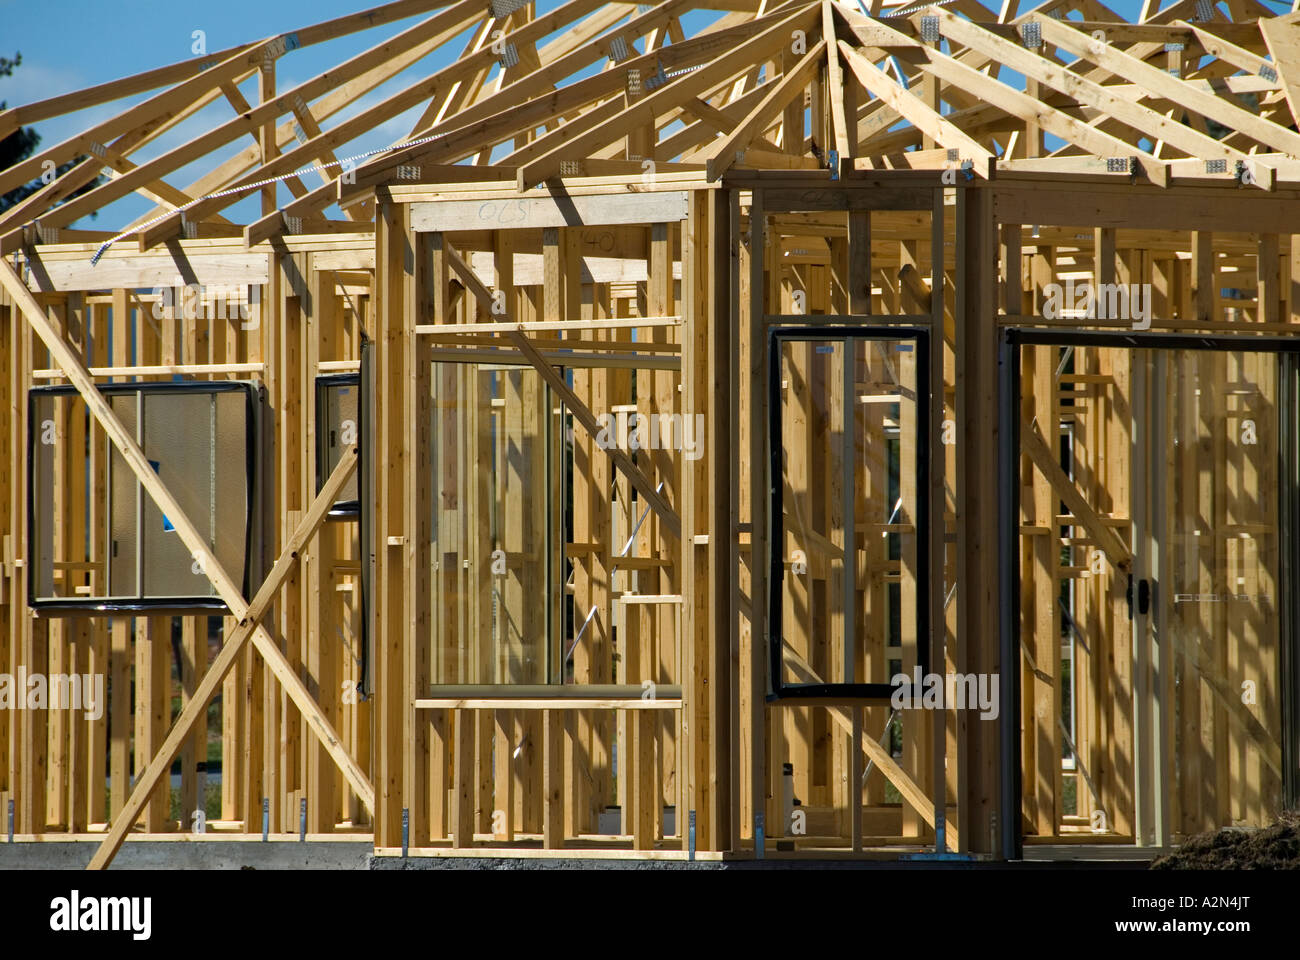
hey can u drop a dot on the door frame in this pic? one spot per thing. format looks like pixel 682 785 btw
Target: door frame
pixel 1287 349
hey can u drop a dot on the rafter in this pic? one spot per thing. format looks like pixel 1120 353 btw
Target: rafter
pixel 541 108
pixel 920 114
pixel 722 153
pixel 605 124
pixel 1283 39
pixel 1161 83
pixel 1125 111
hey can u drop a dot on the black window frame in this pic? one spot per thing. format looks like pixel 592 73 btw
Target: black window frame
pixel 778 689
pixel 254 396
pixel 1287 350
pixel 340 509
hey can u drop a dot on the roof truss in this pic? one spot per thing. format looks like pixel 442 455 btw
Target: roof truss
pixel 588 88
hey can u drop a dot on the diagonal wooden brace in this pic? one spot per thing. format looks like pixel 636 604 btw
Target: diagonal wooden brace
pixel 912 793
pixel 72 366
pixel 1108 541
pixel 248 627
pixel 917 112
pixel 720 155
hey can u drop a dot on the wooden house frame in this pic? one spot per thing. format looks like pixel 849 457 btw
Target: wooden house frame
pixel 837 224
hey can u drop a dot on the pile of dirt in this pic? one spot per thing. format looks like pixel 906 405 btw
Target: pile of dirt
pixel 1275 847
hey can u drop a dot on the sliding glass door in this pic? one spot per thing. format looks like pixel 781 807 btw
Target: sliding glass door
pixel 1148 603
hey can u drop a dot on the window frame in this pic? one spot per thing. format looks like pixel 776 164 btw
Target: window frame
pixel 778 689
pixel 1287 352
pixel 254 395
pixel 340 509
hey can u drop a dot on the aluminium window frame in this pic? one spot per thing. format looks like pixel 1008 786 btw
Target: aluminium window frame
pixel 254 396
pixel 555 689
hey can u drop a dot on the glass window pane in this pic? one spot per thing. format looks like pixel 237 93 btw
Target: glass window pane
pixel 178 438
pixel 495 525
pixel 340 423
pixel 198 441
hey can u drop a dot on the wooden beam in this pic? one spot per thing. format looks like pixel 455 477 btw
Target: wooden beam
pixel 1216 46
pixel 917 113
pixel 1160 83
pixel 275 164
pixel 910 280
pixel 235 166
pixel 447 23
pixel 881 756
pixel 837 89
pixel 16 117
pixel 197 707
pixel 720 155
pixel 127 131
pixel 1126 111
pixel 1033 444
pixel 1034 111
pixel 607 122
pixel 1283 41
pixel 520 104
